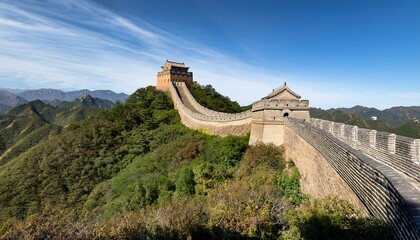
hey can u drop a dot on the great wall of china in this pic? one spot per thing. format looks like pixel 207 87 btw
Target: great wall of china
pixel 378 172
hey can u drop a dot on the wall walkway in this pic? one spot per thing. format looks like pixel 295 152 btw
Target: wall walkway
pixel 384 192
pixel 377 171
pixel 195 116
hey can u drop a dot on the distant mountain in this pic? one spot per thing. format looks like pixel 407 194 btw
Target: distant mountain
pixel 26 125
pixel 349 118
pixel 400 115
pixel 86 100
pixel 94 102
pixel 395 116
pixel 62 113
pixel 53 94
pixel 9 100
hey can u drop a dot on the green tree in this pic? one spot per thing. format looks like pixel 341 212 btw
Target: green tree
pixel 185 185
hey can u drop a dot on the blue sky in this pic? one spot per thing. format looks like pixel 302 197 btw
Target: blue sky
pixel 336 53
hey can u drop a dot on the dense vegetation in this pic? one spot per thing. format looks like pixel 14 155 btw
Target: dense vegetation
pixel 209 97
pixel 409 129
pixel 26 125
pixel 135 172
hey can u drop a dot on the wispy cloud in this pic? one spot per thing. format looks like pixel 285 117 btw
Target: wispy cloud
pixel 79 44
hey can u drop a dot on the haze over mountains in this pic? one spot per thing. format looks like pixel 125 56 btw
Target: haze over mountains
pixel 54 94
pixel 10 98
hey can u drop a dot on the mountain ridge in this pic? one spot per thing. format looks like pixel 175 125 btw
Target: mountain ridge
pixel 394 116
pixel 50 94
pixel 10 98
pixel 26 125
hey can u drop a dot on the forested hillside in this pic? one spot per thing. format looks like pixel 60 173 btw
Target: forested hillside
pixel 26 125
pixel 395 116
pixel 135 172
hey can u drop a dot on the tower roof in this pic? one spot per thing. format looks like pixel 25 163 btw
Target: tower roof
pixel 169 64
pixel 283 88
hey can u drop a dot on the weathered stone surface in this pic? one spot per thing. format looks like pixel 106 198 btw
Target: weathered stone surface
pixel 269 114
pixel 318 178
pixel 378 172
pixel 217 123
pixel 384 192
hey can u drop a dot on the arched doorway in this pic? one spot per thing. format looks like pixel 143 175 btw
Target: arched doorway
pixel 286 114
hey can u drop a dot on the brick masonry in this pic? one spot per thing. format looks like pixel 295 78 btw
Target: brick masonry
pixel 215 122
pixel 383 191
pixel 378 172
pixel 318 178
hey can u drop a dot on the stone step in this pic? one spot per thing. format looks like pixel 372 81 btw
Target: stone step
pixel 185 100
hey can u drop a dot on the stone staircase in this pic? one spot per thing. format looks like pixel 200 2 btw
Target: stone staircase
pixel 184 99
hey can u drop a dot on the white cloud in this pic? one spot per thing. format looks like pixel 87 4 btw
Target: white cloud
pixel 79 44
pixel 69 45
pixel 50 50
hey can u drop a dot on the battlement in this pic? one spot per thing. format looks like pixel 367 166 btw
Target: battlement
pixel 269 113
pixel 208 112
pixel 215 122
pixel 402 153
pixel 362 160
pixel 276 104
pixel 377 171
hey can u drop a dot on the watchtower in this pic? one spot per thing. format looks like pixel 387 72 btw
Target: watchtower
pixel 173 72
pixel 269 114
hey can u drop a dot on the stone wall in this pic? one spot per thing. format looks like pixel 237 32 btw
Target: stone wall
pixel 208 112
pixel 166 77
pixel 402 153
pixel 382 190
pixel 318 179
pixel 232 124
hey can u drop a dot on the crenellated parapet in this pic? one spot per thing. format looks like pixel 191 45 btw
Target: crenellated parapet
pixel 277 104
pixel 402 153
pixel 219 124
pixel 208 112
pixel 377 171
pixel 269 113
pixel 265 120
pixel 380 168
pixel 173 72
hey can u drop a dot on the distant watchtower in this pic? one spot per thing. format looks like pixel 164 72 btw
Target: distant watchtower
pixel 269 114
pixel 173 72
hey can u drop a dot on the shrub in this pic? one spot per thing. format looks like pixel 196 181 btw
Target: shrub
pixel 332 218
pixel 288 181
pixel 185 184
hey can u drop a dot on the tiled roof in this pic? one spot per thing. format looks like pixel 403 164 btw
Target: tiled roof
pixel 281 89
pixel 176 64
